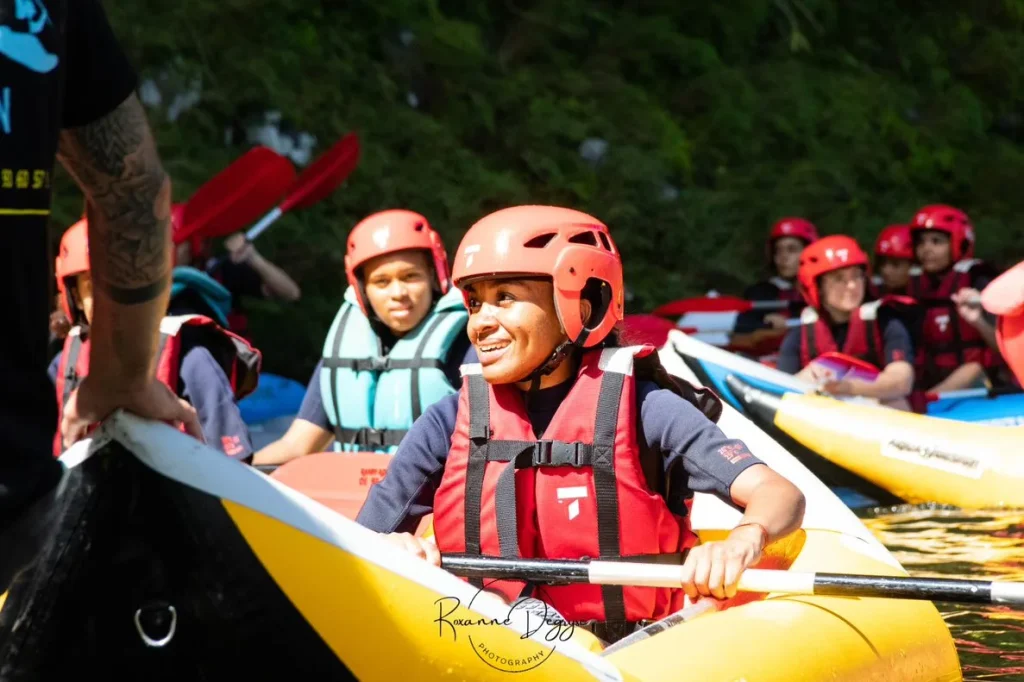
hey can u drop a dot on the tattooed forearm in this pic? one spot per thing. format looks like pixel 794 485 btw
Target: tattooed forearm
pixel 115 162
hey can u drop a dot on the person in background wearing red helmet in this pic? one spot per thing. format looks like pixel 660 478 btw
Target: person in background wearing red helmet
pixel 574 417
pixel 208 367
pixel 894 262
pixel 245 273
pixel 832 279
pixel 957 347
pixel 394 348
pixel 787 239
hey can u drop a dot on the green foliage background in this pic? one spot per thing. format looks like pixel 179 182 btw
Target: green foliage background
pixel 850 113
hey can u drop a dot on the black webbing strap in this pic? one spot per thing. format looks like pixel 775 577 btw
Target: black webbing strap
pixel 335 352
pixel 525 455
pixel 379 364
pixel 418 362
pixel 875 354
pixel 476 465
pixel 71 377
pixel 812 344
pixel 370 437
pixel 605 487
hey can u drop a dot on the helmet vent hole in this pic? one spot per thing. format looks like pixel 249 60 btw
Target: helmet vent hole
pixel 605 241
pixel 589 238
pixel 418 227
pixel 540 241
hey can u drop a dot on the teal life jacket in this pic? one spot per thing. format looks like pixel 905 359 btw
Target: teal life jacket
pixel 372 399
pixel 210 290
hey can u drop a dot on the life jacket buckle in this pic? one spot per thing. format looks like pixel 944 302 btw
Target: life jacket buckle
pixel 556 453
pixel 380 364
pixel 370 436
pixel 156 618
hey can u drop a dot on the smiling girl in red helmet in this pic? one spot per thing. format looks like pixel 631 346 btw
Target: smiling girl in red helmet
pixel 555 411
pixel 832 278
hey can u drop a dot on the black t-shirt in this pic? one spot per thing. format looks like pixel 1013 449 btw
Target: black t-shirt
pixel 60 67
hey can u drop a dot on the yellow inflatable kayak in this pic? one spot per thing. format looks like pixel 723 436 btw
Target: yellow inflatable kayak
pixel 165 546
pixel 914 457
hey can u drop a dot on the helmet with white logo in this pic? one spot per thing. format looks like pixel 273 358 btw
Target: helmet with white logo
pixel 389 232
pixel 828 254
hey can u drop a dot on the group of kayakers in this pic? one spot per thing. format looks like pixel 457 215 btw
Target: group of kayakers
pixel 515 413
pixel 510 364
pixel 513 364
pixel 918 320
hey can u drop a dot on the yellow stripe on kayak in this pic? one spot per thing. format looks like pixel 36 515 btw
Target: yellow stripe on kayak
pixel 383 626
pixel 918 458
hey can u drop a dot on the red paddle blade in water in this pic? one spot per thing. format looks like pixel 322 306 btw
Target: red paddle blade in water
pixel 324 175
pixel 236 196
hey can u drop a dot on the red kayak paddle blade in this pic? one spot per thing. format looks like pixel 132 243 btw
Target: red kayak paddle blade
pixel 238 195
pixel 718 304
pixel 325 174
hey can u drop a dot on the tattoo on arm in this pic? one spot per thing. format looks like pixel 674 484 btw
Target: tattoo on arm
pixel 115 161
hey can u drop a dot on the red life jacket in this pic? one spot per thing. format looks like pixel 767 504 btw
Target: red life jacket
pixel 239 360
pixel 580 491
pixel 946 341
pixel 863 336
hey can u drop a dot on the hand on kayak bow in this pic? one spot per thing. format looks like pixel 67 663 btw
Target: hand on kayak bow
pixel 91 403
pixel 424 548
pixel 713 569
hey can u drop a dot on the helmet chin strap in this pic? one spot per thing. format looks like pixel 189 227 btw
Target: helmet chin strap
pixel 558 356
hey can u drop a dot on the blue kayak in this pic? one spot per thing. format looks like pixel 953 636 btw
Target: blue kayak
pixel 275 396
pixel 712 365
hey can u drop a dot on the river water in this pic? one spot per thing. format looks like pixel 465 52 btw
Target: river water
pixel 935 542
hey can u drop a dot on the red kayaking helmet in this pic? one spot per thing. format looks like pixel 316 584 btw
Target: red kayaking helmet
pixel 800 228
pixel 834 252
pixel 72 259
pixel 389 232
pixel 895 242
pixel 570 247
pixel 950 220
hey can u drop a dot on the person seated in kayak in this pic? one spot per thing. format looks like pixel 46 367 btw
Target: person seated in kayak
pixel 832 280
pixel 958 347
pixel 894 262
pixel 394 348
pixel 205 365
pixel 244 272
pixel 595 448
pixel 787 239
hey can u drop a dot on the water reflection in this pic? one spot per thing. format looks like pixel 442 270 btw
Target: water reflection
pixel 952 543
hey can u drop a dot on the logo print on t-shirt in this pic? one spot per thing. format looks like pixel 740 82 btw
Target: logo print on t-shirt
pixel 24 47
